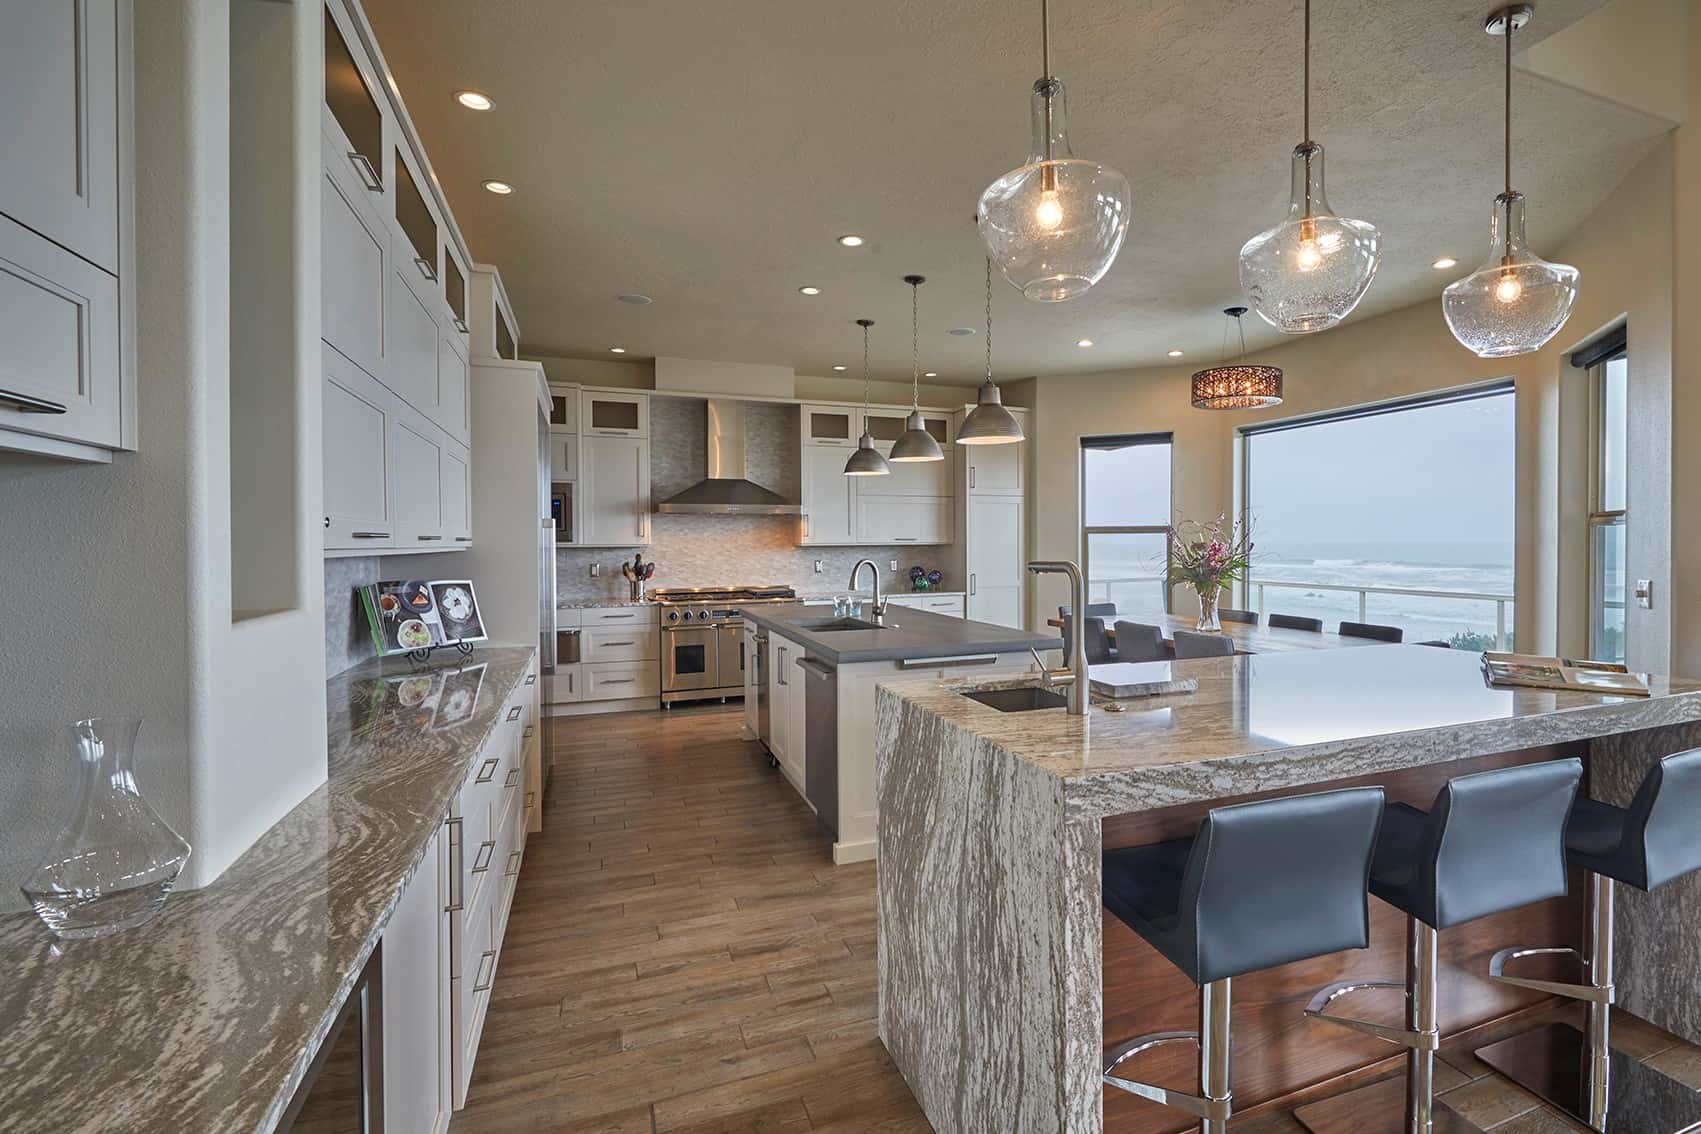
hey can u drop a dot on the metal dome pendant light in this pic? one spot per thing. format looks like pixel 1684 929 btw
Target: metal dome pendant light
pixel 917 444
pixel 1308 272
pixel 989 423
pixel 1237 385
pixel 1516 301
pixel 866 460
pixel 1054 224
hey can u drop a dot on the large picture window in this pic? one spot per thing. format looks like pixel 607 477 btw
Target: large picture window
pixel 1125 509
pixel 1401 514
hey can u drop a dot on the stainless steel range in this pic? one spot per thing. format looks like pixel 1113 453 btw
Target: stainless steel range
pixel 702 638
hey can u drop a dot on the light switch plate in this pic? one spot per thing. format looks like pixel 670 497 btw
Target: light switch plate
pixel 1645 593
pixel 893 565
pixel 818 566
pixel 596 570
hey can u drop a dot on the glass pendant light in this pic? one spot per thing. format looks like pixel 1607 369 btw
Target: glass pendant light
pixel 866 460
pixel 1237 385
pixel 1516 301
pixel 989 423
pixel 917 444
pixel 1308 273
pixel 1054 224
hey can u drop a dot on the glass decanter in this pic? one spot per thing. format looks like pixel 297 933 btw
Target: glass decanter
pixel 115 860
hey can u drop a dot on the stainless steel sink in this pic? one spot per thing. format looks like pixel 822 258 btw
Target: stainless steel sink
pixel 1023 699
pixel 834 625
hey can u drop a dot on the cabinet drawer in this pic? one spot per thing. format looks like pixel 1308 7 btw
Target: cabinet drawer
pixel 903 519
pixel 594 617
pixel 610 681
pixel 637 643
pixel 564 686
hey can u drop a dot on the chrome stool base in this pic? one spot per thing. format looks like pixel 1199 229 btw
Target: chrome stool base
pixel 1554 1061
pixel 1215 1102
pixel 1376 1109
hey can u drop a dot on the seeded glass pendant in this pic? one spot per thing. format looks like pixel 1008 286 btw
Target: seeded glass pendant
pixel 1516 301
pixel 1054 224
pixel 866 460
pixel 916 444
pixel 989 423
pixel 1237 385
pixel 1308 272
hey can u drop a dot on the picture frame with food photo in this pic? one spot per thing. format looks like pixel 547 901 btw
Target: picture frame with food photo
pixel 414 615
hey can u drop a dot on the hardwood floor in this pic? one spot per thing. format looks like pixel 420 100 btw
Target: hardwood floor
pixel 683 956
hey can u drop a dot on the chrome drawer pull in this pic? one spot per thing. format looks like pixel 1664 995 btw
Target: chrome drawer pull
pixel 481 861
pixel 513 865
pixel 620 644
pixel 622 681
pixel 426 268
pixel 481 980
pixel 457 861
pixel 428 537
pixel 514 713
pixel 460 324
pixel 530 796
pixel 527 735
pixel 531 679
pixel 29 403
pixel 612 617
pixel 487 770
pixel 513 778
pixel 947 663
pixel 368 175
pixel 463 539
pixel 370 535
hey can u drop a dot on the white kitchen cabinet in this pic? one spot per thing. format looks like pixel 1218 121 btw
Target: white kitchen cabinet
pixel 603 414
pixel 829 496
pixel 455 487
pixel 417 1032
pixel 454 390
pixel 621 680
pixel 835 426
pixel 563 455
pixel 752 712
pixel 949 605
pixel 787 739
pixel 564 408
pixel 902 519
pixel 614 491
pixel 617 617
pixel 994 559
pixel 357 439
pixel 633 643
pixel 354 250
pixel 996 470
pixel 411 336
pixel 417 226
pixel 416 484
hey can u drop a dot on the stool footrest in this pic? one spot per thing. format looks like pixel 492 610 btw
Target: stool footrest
pixel 1214 1110
pixel 1404 1037
pixel 1595 994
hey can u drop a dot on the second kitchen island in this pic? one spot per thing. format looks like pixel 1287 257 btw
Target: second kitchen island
pixel 813 681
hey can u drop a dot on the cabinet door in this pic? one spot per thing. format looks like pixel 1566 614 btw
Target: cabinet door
pixel 564 408
pixel 354 253
pixel 614 415
pixel 839 426
pixel 416 1008
pixel 797 736
pixel 416 456
pixel 994 470
pixel 614 479
pixel 563 455
pixel 903 519
pixel 412 362
pixel 59 85
pixel 59 337
pixel 752 723
pixel 828 496
pixel 993 558
pixel 354 119
pixel 357 464
pixel 455 486
pixel 454 397
pixel 780 653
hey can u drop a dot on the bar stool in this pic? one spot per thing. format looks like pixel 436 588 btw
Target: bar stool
pixel 1296 622
pixel 1492 842
pixel 1192 644
pixel 1260 885
pixel 1656 840
pixel 1139 642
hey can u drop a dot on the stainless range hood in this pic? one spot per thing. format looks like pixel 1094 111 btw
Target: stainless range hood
pixel 726 491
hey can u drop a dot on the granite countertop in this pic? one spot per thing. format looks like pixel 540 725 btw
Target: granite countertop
pixel 588 604
pixel 1265 722
pixel 908 633
pixel 205 1019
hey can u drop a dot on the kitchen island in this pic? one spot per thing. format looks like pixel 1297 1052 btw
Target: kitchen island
pixel 816 685
pixel 1002 981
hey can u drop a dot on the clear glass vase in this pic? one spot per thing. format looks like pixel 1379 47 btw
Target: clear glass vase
pixel 1208 619
pixel 115 860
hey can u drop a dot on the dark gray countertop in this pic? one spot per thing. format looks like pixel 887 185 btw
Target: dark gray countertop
pixel 908 633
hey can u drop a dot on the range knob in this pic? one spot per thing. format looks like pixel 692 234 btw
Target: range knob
pixel 673 616
pixel 688 616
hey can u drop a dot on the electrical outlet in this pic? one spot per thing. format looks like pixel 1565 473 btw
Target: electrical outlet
pixel 596 570
pixel 892 565
pixel 1645 593
pixel 818 566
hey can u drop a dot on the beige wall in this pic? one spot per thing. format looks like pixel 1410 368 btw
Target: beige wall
pixel 1624 254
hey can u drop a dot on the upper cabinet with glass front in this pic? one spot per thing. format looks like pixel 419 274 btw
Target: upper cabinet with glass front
pixel 67 362
pixel 604 414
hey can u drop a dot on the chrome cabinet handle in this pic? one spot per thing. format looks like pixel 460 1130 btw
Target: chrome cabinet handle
pixel 947 663
pixel 531 679
pixel 513 778
pixel 781 666
pixel 622 681
pixel 514 713
pixel 487 771
pixel 460 324
pixel 971 476
pixel 29 403
pixel 481 861
pixel 620 643
pixel 513 865
pixel 368 176
pixel 905 538
pixel 612 617
pixel 463 539
pixel 457 866
pixel 482 979
pixel 427 538
pixel 426 268
pixel 527 735
pixel 369 535
pixel 530 796
pixel 971 582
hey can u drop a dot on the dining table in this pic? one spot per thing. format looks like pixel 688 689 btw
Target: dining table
pixel 1248 638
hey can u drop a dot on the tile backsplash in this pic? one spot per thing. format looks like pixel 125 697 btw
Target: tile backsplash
pixel 348 640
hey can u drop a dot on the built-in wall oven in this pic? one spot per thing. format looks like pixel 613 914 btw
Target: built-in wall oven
pixel 702 639
pixel 561 510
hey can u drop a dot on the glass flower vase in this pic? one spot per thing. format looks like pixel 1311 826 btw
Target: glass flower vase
pixel 114 862
pixel 1208 619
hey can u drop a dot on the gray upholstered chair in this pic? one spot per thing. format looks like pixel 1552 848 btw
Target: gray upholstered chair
pixel 1373 631
pixel 1225 614
pixel 1097 641
pixel 1192 644
pixel 1138 642
pixel 1296 622
pixel 1094 610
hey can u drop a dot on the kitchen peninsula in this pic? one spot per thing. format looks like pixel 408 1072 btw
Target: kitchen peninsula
pixel 1002 980
pixel 814 686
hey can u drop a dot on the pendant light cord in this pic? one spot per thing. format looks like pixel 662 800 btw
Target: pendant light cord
pixel 1307 69
pixel 1508 103
pixel 989 318
pixel 1045 69
pixel 915 345
pixel 865 325
pixel 1241 329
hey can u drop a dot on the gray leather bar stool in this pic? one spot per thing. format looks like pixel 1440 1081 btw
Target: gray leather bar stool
pixel 1138 642
pixel 1373 631
pixel 1261 884
pixel 1296 622
pixel 1492 842
pixel 1192 644
pixel 1655 840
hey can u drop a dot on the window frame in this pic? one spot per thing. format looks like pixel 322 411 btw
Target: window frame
pixel 1612 348
pixel 1090 442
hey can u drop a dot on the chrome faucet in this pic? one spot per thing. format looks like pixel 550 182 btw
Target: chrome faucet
pixel 879 616
pixel 1075 649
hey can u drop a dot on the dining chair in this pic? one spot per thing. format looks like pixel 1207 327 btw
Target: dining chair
pixel 1097 641
pixel 1191 644
pixel 1373 631
pixel 1250 617
pixel 1138 642
pixel 1094 610
pixel 1296 622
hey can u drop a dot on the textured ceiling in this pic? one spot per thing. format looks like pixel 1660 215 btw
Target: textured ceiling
pixel 708 154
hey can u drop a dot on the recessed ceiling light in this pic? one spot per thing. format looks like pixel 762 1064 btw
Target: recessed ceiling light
pixel 840 366
pixel 635 298
pixel 810 290
pixel 1175 354
pixel 961 331
pixel 500 188
pixel 616 350
pixel 1083 342
pixel 931 374
pixel 1444 263
pixel 851 240
pixel 474 100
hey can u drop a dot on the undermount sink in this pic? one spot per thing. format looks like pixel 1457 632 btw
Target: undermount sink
pixel 834 625
pixel 1023 699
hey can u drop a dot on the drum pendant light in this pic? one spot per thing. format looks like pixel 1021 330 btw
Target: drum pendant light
pixel 1054 224
pixel 989 423
pixel 1516 301
pixel 866 460
pixel 917 444
pixel 1237 385
pixel 1308 272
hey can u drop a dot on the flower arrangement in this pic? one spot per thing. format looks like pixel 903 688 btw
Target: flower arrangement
pixel 1206 558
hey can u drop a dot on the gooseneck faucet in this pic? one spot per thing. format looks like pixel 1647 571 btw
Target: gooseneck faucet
pixel 879 616
pixel 1075 649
